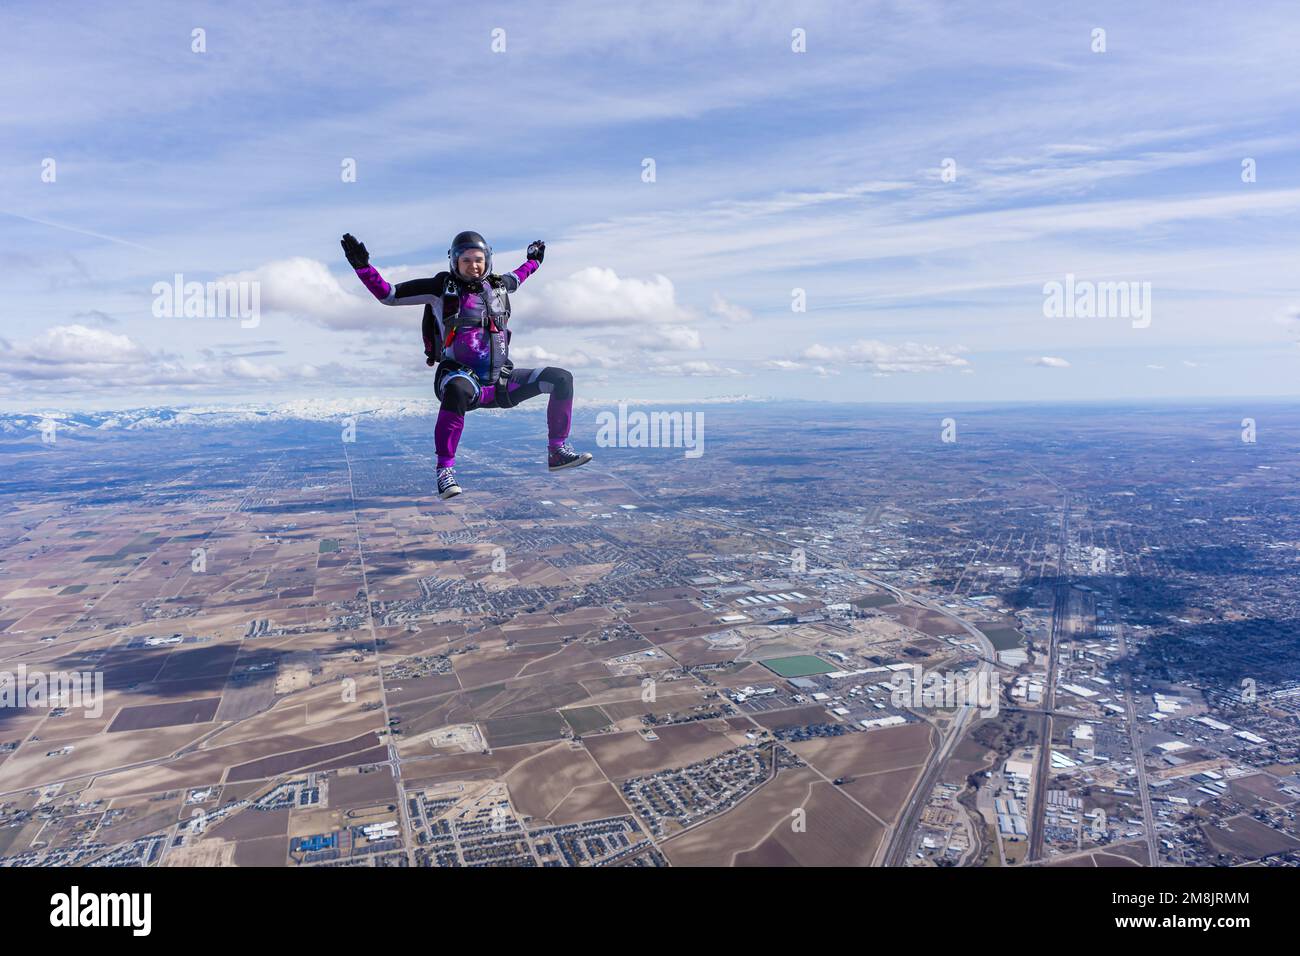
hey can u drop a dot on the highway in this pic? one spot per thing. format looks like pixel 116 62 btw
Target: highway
pixel 896 850
pixel 1060 612
pixel 1135 744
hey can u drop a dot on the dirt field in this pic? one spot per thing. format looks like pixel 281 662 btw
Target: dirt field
pixel 209 852
pixel 883 793
pixel 672 621
pixel 532 698
pixel 251 824
pixel 759 831
pixel 593 802
pixel 628 754
pixel 583 720
pixel 271 851
pixel 798 717
pixel 29 767
pixel 349 791
pixel 1259 785
pixel 1248 837
pixel 524 729
pixel 445 767
pixel 275 765
pixel 539 784
pixel 664 703
pixel 459 737
pixel 1128 855
pixel 165 715
pixel 890 748
pixel 922 619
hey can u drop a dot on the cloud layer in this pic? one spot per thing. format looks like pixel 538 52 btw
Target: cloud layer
pixel 823 175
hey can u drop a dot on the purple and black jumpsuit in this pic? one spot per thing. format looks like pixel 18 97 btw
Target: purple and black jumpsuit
pixel 475 347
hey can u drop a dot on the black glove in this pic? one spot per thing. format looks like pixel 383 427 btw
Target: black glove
pixel 536 250
pixel 429 359
pixel 358 258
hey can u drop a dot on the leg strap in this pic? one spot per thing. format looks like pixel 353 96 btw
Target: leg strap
pixel 502 397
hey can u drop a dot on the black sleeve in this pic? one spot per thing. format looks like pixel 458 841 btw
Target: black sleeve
pixel 416 291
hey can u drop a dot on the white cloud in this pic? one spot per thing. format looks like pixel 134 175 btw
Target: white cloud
pixel 243 369
pixel 1048 361
pixel 525 356
pixel 786 365
pixel 729 312
pixel 595 296
pixel 884 357
pixel 306 288
pixel 677 338
pixel 698 369
pixel 79 344
pixel 69 359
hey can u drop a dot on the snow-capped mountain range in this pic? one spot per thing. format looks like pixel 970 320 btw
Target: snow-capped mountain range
pixel 316 410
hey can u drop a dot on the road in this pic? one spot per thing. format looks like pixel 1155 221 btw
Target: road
pixel 1135 744
pixel 899 845
pixel 1060 611
pixel 408 831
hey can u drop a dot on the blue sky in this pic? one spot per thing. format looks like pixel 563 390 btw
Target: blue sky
pixel 775 170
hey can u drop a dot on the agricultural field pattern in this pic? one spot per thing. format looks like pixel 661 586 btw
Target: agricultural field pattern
pixel 263 640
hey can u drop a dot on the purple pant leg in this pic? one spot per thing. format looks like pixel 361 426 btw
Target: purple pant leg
pixel 559 416
pixel 446 436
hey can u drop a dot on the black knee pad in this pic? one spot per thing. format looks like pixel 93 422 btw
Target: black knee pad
pixel 457 395
pixel 561 380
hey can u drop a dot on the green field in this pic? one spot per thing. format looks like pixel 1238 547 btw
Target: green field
pixel 328 544
pixel 801 665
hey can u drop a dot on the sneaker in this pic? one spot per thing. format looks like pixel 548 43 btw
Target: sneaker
pixel 447 487
pixel 566 457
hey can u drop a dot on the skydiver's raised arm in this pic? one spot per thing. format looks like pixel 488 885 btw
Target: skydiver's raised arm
pixel 513 280
pixel 412 292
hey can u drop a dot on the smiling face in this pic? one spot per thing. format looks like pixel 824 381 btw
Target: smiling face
pixel 471 263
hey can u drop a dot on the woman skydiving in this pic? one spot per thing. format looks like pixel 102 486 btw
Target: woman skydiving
pixel 466 311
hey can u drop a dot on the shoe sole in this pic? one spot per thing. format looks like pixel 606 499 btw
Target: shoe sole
pixel 449 493
pixel 572 464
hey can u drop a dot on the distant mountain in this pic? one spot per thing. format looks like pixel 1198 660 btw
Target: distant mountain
pixel 316 410
pixel 216 415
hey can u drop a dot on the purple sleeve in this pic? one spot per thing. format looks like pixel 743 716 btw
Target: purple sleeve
pixel 524 271
pixel 374 282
